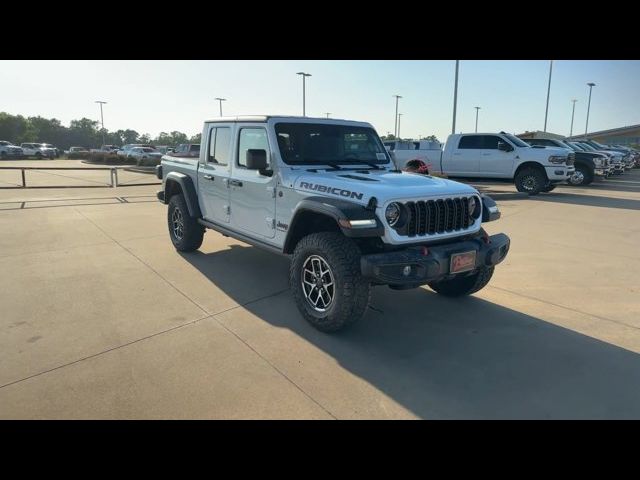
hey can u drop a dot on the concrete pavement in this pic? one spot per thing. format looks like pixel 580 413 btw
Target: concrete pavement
pixel 101 318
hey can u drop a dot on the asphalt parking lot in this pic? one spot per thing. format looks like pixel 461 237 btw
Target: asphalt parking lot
pixel 102 318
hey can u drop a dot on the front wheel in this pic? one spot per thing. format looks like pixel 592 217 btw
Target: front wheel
pixel 550 187
pixel 327 285
pixel 530 180
pixel 459 286
pixel 185 232
pixel 582 176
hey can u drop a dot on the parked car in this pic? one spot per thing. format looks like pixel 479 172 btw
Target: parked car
pixel 10 151
pixel 404 151
pixel 37 150
pixel 164 149
pixel 504 156
pixel 145 156
pixel 49 146
pixel 588 164
pixel 615 158
pixel 188 150
pixel 124 151
pixel 327 193
pixel 78 153
pixel 629 156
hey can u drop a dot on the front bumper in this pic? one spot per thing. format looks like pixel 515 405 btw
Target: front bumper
pixel 388 268
pixel 559 173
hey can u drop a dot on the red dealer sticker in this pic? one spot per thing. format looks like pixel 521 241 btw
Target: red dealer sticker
pixel 462 262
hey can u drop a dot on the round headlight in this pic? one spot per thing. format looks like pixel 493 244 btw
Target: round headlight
pixel 393 213
pixel 474 207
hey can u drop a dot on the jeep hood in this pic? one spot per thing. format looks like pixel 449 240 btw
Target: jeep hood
pixel 384 185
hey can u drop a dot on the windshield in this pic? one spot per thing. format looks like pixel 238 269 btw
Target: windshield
pixel 515 140
pixel 588 147
pixel 596 144
pixel 567 144
pixel 323 144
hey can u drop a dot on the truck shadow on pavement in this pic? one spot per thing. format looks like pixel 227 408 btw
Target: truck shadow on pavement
pixel 443 358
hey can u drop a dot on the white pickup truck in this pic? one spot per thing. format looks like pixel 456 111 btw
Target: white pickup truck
pixel 500 156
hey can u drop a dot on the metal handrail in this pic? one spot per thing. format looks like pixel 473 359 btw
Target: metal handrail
pixel 113 174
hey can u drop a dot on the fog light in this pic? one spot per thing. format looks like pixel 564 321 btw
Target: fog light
pixel 406 271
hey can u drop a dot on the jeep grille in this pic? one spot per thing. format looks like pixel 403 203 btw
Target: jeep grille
pixel 437 216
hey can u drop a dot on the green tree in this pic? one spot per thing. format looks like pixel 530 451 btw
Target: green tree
pixel 146 138
pixel 13 128
pixel 196 138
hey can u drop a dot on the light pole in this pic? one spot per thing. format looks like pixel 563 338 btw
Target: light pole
pixel 455 98
pixel 101 118
pixel 573 113
pixel 304 99
pixel 395 124
pixel 477 110
pixel 327 114
pixel 221 100
pixel 399 118
pixel 591 85
pixel 546 112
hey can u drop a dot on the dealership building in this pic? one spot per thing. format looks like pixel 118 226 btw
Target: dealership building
pixel 616 136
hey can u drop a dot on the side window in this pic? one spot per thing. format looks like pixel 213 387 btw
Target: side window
pixel 490 142
pixel 251 138
pixel 223 146
pixel 194 148
pixel 211 153
pixel 471 142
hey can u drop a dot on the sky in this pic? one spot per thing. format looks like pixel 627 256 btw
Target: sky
pixel 155 96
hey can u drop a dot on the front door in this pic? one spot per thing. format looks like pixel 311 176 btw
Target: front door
pixel 252 194
pixel 463 161
pixel 495 163
pixel 213 174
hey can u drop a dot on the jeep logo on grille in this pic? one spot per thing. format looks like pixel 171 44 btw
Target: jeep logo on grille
pixel 332 190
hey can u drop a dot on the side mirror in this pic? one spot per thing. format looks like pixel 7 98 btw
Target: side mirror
pixel 504 147
pixel 256 159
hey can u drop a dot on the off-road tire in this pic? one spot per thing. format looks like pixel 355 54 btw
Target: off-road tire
pixel 550 187
pixel 192 232
pixel 530 180
pixel 459 286
pixel 351 292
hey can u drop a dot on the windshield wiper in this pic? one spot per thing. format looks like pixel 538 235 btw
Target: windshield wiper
pixel 371 164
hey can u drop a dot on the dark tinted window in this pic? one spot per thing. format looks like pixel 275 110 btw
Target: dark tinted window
pixel 471 141
pixel 194 148
pixel 490 142
pixel 307 143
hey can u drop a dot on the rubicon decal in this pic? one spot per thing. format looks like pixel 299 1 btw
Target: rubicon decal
pixel 332 190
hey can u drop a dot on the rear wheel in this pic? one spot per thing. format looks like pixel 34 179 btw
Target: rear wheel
pixel 530 180
pixel 185 232
pixel 459 286
pixel 326 282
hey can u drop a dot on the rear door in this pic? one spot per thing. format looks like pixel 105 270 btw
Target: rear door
pixel 495 163
pixel 252 194
pixel 214 171
pixel 463 159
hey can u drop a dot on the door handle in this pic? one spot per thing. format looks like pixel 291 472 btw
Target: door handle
pixel 235 183
pixel 209 177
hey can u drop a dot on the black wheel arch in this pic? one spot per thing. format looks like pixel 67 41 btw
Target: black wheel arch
pixel 177 183
pixel 317 214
